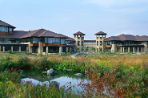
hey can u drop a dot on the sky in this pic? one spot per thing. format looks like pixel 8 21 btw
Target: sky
pixel 69 16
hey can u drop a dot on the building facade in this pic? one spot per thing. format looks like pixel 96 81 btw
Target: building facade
pixel 39 41
pixel 123 43
pixel 43 41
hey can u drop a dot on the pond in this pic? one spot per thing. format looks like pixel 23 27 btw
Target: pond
pixel 69 83
pixel 73 83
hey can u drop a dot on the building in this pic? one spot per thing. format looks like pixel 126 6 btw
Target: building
pixel 43 41
pixel 127 44
pixel 39 41
pixel 123 43
pixel 79 40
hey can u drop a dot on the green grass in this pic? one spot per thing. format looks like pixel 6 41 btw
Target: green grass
pixel 126 75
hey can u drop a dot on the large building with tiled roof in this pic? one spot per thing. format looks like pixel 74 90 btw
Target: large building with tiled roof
pixel 123 43
pixel 39 41
pixel 43 41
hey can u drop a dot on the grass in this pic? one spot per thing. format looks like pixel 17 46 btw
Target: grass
pixel 125 75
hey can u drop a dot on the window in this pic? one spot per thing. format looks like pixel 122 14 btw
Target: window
pixel 3 29
pixel 51 40
pixel 82 38
pixel 63 41
pixel 78 43
pixel 97 43
pixel 57 40
pixel 82 43
pixel 101 43
pixel 35 40
pixel 10 29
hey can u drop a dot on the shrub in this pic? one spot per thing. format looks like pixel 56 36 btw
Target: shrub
pixel 23 63
pixel 6 63
pixel 42 63
pixel 9 76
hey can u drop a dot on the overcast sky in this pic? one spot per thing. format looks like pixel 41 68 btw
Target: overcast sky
pixel 69 16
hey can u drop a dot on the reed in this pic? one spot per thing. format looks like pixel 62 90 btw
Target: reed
pixel 125 75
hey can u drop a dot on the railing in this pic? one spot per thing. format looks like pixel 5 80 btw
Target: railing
pixel 13 43
pixel 130 45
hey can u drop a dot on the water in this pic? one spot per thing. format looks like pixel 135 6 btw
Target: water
pixel 73 83
pixel 68 83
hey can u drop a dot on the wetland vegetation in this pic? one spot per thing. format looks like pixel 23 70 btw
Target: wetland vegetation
pixel 111 75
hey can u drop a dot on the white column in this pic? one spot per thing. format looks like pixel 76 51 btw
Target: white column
pixel 40 48
pixel 123 49
pixel 134 50
pixel 60 50
pixel 3 48
pixel 128 49
pixel 120 49
pixel 146 47
pixel 11 48
pixel 30 48
pixel 20 50
pixel 138 49
pixel 113 49
pixel 67 49
pixel 46 49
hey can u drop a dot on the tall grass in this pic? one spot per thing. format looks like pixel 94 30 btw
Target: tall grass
pixel 125 75
pixel 14 90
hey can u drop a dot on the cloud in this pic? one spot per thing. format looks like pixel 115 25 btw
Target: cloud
pixel 112 3
pixel 105 3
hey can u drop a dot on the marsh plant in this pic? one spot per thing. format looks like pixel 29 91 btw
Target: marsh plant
pixel 120 76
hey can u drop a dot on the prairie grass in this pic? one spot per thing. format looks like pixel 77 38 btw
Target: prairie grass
pixel 125 75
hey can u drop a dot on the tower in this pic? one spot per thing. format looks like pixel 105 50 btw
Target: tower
pixel 79 38
pixel 100 37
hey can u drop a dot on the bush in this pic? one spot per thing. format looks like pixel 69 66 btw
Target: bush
pixel 6 63
pixel 9 76
pixel 23 63
pixel 42 63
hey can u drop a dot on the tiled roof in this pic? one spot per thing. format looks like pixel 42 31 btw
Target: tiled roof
pixel 2 23
pixel 42 33
pixel 35 33
pixel 125 37
pixel 101 33
pixel 15 34
pixel 79 33
pixel 67 37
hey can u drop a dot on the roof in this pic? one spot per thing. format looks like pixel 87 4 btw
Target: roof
pixel 79 33
pixel 2 23
pixel 67 37
pixel 101 33
pixel 126 37
pixel 35 33
pixel 42 33
pixel 15 34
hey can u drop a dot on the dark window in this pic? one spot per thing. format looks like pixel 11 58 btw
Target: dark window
pixel 3 29
pixel 82 43
pixel 78 43
pixel 101 43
